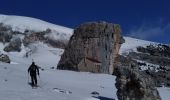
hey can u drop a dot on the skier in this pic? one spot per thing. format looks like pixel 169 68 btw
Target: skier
pixel 33 70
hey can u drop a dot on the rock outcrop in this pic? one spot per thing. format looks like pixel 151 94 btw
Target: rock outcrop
pixel 93 45
pixel 5 33
pixel 154 60
pixel 133 84
pixel 4 58
pixel 33 37
pixel 43 37
pixel 14 45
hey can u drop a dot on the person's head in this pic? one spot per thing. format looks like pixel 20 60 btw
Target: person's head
pixel 33 63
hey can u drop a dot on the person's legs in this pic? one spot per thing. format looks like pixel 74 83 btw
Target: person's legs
pixel 35 80
pixel 32 80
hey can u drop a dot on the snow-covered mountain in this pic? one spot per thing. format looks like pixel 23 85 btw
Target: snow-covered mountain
pixel 56 84
pixel 21 23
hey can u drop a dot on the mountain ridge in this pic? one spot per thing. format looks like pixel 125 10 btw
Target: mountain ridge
pixel 22 23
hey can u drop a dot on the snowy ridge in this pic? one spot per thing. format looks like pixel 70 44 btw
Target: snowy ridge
pixel 131 44
pixel 20 23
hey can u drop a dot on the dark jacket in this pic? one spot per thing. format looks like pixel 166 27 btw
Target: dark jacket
pixel 33 69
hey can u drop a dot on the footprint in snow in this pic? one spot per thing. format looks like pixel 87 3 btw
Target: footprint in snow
pixel 62 91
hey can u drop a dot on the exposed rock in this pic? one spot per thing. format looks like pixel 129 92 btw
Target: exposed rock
pixel 156 50
pixel 99 41
pixel 161 78
pixel 4 58
pixel 157 57
pixel 133 84
pixel 163 61
pixel 43 37
pixel 33 37
pixel 5 33
pixel 14 45
pixel 56 43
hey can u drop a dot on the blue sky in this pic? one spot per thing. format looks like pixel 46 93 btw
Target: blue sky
pixel 144 19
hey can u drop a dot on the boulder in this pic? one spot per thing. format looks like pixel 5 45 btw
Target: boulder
pixel 93 45
pixel 4 58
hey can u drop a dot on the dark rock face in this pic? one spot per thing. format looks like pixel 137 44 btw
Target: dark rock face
pixel 158 50
pixel 133 84
pixel 4 58
pixel 97 40
pixel 150 58
pixel 14 45
pixel 158 56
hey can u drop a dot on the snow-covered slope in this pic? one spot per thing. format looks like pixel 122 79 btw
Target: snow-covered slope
pixel 20 23
pixel 54 84
pixel 131 44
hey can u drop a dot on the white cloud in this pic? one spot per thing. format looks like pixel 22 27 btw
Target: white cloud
pixel 155 32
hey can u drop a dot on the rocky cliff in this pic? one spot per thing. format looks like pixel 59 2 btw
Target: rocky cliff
pixel 133 84
pixel 154 60
pixel 99 41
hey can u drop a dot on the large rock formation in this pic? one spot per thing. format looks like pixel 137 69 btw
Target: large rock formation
pixel 93 47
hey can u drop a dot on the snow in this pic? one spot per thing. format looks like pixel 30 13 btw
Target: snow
pixel 148 66
pixel 164 93
pixel 14 86
pixel 1 48
pixel 21 23
pixel 131 44
pixel 54 84
pixel 91 99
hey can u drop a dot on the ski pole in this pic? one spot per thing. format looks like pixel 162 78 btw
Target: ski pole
pixel 40 83
pixel 28 77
